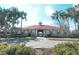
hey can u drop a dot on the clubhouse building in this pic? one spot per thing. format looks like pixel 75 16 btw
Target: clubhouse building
pixel 41 30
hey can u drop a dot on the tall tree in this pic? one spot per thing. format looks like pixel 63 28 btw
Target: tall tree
pixel 9 17
pixel 56 16
pixel 23 17
pixel 14 15
pixel 72 12
pixel 65 18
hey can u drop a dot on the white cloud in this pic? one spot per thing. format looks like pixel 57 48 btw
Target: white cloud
pixel 75 4
pixel 32 14
pixel 49 10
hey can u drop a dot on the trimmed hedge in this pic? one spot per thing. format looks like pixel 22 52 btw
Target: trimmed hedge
pixel 66 49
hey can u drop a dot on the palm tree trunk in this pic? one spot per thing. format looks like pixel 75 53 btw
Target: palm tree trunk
pixel 78 26
pixel 59 23
pixel 0 32
pixel 21 26
pixel 5 30
pixel 68 25
pixel 12 27
pixel 75 25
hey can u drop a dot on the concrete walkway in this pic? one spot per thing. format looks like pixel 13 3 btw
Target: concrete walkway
pixel 42 42
pixel 59 39
pixel 39 42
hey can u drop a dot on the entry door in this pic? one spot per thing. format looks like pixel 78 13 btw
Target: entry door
pixel 40 33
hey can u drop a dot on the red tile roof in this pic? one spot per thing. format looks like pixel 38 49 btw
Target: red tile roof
pixel 40 27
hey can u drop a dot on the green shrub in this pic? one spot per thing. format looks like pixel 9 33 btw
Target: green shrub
pixel 66 49
pixel 19 50
pixel 27 51
pixel 3 49
pixel 22 50
pixel 11 50
pixel 15 49
pixel 33 35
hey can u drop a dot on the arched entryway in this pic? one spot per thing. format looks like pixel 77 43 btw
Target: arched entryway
pixel 40 33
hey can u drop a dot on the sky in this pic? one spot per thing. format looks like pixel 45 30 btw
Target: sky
pixel 38 12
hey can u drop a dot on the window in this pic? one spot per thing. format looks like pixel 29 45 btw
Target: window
pixel 47 31
pixel 61 32
pixel 54 32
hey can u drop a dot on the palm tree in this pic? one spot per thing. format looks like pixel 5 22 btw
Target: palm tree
pixel 65 17
pixel 56 16
pixel 72 12
pixel 62 17
pixel 74 15
pixel 77 15
pixel 23 17
pixel 14 15
pixel 9 17
pixel 1 19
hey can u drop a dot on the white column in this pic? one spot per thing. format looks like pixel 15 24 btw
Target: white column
pixel 44 32
pixel 36 31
